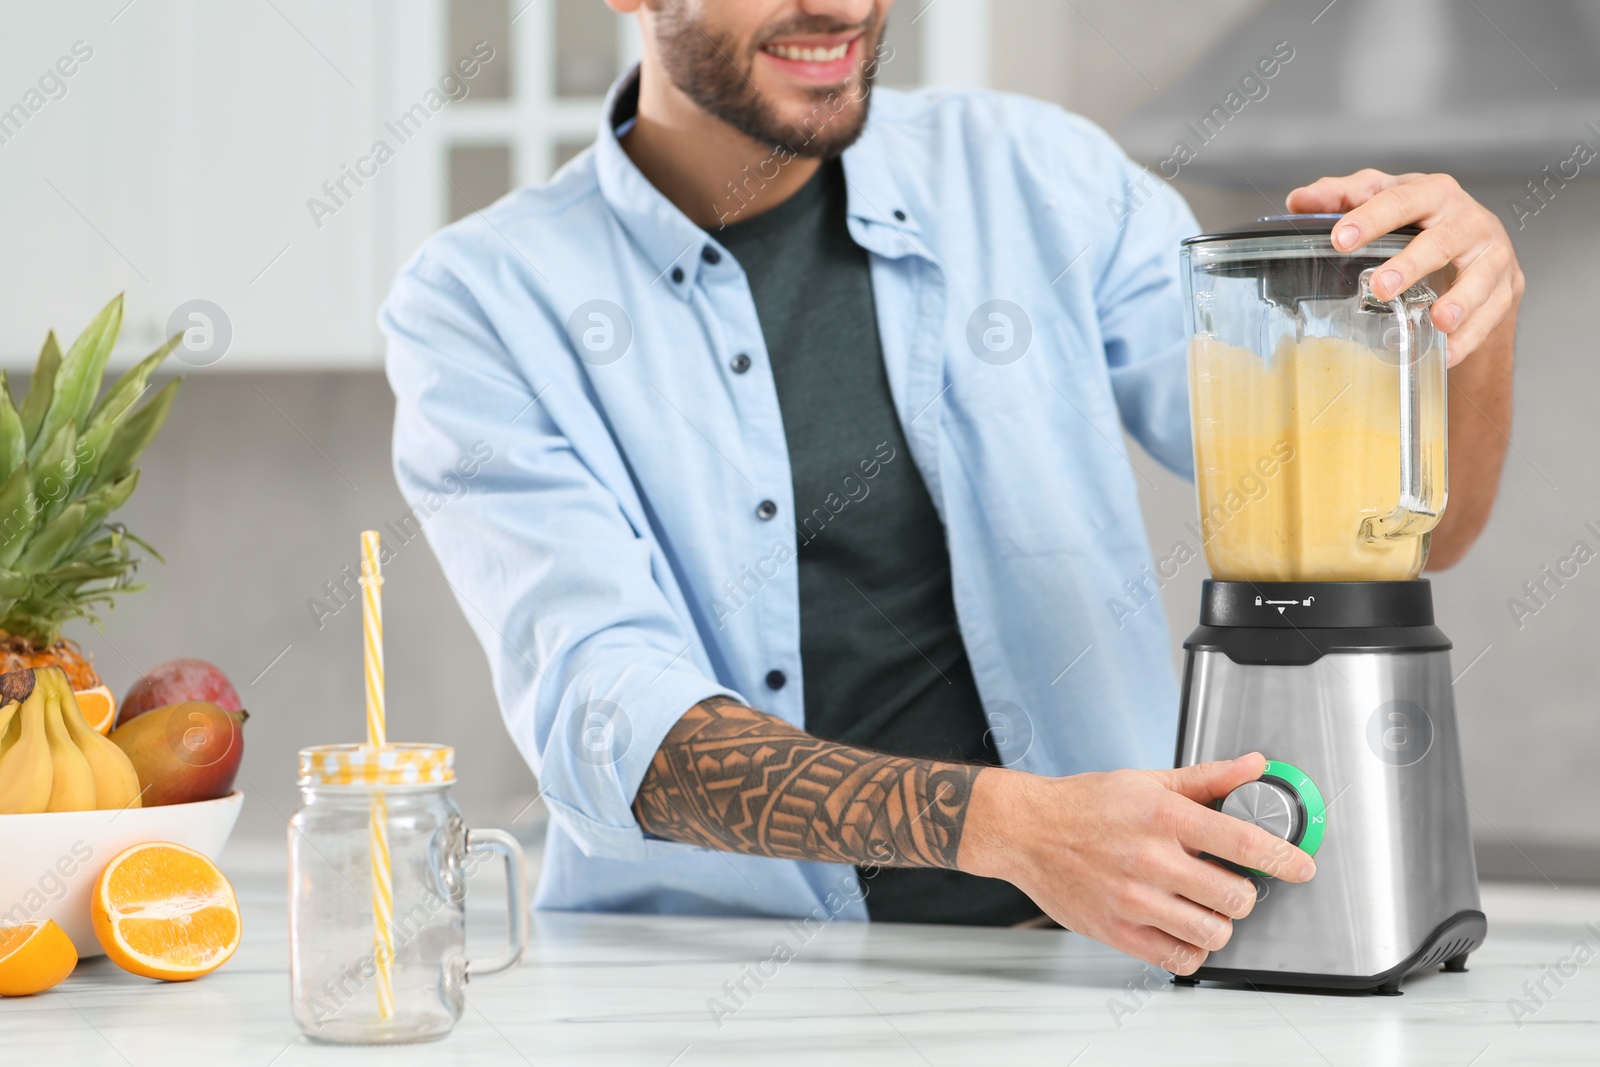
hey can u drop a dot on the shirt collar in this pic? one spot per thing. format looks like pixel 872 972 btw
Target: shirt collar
pixel 883 219
pixel 875 195
pixel 883 222
pixel 669 239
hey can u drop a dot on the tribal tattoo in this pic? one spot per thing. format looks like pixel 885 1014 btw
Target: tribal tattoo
pixel 733 778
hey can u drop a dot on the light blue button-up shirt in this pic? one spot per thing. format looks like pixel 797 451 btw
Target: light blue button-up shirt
pixel 611 552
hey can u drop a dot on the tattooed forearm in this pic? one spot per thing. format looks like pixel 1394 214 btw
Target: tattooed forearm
pixel 733 778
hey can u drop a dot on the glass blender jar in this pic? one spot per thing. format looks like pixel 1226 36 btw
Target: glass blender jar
pixel 1319 410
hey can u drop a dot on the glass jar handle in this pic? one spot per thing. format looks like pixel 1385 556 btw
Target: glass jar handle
pixel 1411 515
pixel 498 841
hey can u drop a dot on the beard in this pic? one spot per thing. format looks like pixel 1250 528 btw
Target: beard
pixel 704 64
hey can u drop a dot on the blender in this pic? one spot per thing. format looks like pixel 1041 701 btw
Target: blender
pixel 1319 434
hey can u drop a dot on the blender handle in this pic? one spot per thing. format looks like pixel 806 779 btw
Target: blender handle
pixel 1411 515
pixel 498 841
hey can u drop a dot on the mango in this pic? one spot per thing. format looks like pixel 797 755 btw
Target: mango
pixel 175 681
pixel 184 752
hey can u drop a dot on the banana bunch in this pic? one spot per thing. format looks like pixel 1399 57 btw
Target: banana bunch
pixel 51 759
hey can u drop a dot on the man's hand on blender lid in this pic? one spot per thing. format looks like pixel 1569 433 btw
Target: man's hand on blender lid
pixel 1456 229
pixel 1116 856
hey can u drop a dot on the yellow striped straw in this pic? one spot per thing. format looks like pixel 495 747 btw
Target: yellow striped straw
pixel 377 736
pixel 372 636
pixel 382 907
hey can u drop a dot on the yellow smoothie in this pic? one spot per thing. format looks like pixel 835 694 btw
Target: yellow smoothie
pixel 1292 453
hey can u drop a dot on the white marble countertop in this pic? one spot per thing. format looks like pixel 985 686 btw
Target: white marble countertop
pixel 622 990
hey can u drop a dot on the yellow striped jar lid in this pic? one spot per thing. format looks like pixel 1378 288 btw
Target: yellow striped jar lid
pixel 397 763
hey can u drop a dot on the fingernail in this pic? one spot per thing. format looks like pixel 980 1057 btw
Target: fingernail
pixel 1390 282
pixel 1307 869
pixel 1346 236
pixel 1451 314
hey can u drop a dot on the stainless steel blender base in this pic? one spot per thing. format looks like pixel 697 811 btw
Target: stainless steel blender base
pixel 1396 889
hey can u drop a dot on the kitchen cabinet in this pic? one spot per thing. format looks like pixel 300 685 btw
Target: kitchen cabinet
pixel 176 165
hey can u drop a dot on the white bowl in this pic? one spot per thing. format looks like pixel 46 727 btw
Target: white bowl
pixel 51 860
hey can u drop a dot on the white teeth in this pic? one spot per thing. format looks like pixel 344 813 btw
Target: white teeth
pixel 809 55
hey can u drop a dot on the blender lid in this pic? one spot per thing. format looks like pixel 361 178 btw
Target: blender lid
pixel 1285 226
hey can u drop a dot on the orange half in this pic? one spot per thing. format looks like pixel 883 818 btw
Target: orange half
pixel 99 707
pixel 164 911
pixel 34 957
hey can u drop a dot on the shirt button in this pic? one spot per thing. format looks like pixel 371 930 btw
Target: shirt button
pixel 677 274
pixel 766 509
pixel 710 255
pixel 901 215
pixel 776 680
pixel 740 363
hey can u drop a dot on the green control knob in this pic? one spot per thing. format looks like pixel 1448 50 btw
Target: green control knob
pixel 1285 802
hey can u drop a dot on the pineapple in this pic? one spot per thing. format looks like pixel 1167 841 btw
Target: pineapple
pixel 66 463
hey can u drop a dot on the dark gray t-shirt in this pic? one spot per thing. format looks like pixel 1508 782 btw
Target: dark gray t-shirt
pixel 883 661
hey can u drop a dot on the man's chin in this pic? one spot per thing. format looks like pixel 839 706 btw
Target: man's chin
pixel 824 123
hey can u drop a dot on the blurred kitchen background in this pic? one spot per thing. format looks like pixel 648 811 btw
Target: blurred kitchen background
pixel 185 159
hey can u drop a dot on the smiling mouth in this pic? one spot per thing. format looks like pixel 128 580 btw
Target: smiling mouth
pixel 809 55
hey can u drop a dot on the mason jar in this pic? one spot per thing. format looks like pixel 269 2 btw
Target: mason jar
pixel 379 859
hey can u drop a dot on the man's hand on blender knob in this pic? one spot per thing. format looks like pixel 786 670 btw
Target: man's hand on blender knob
pixel 1116 856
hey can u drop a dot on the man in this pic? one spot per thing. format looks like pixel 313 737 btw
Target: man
pixel 793 534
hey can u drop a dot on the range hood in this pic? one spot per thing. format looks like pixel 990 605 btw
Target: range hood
pixel 1501 87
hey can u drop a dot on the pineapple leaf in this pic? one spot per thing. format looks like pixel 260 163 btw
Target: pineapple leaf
pixel 13 442
pixel 109 413
pixel 75 574
pixel 23 620
pixel 127 389
pixel 137 431
pixel 17 514
pixel 78 379
pixel 13 584
pixel 102 502
pixel 136 539
pixel 53 540
pixel 41 387
pixel 53 472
